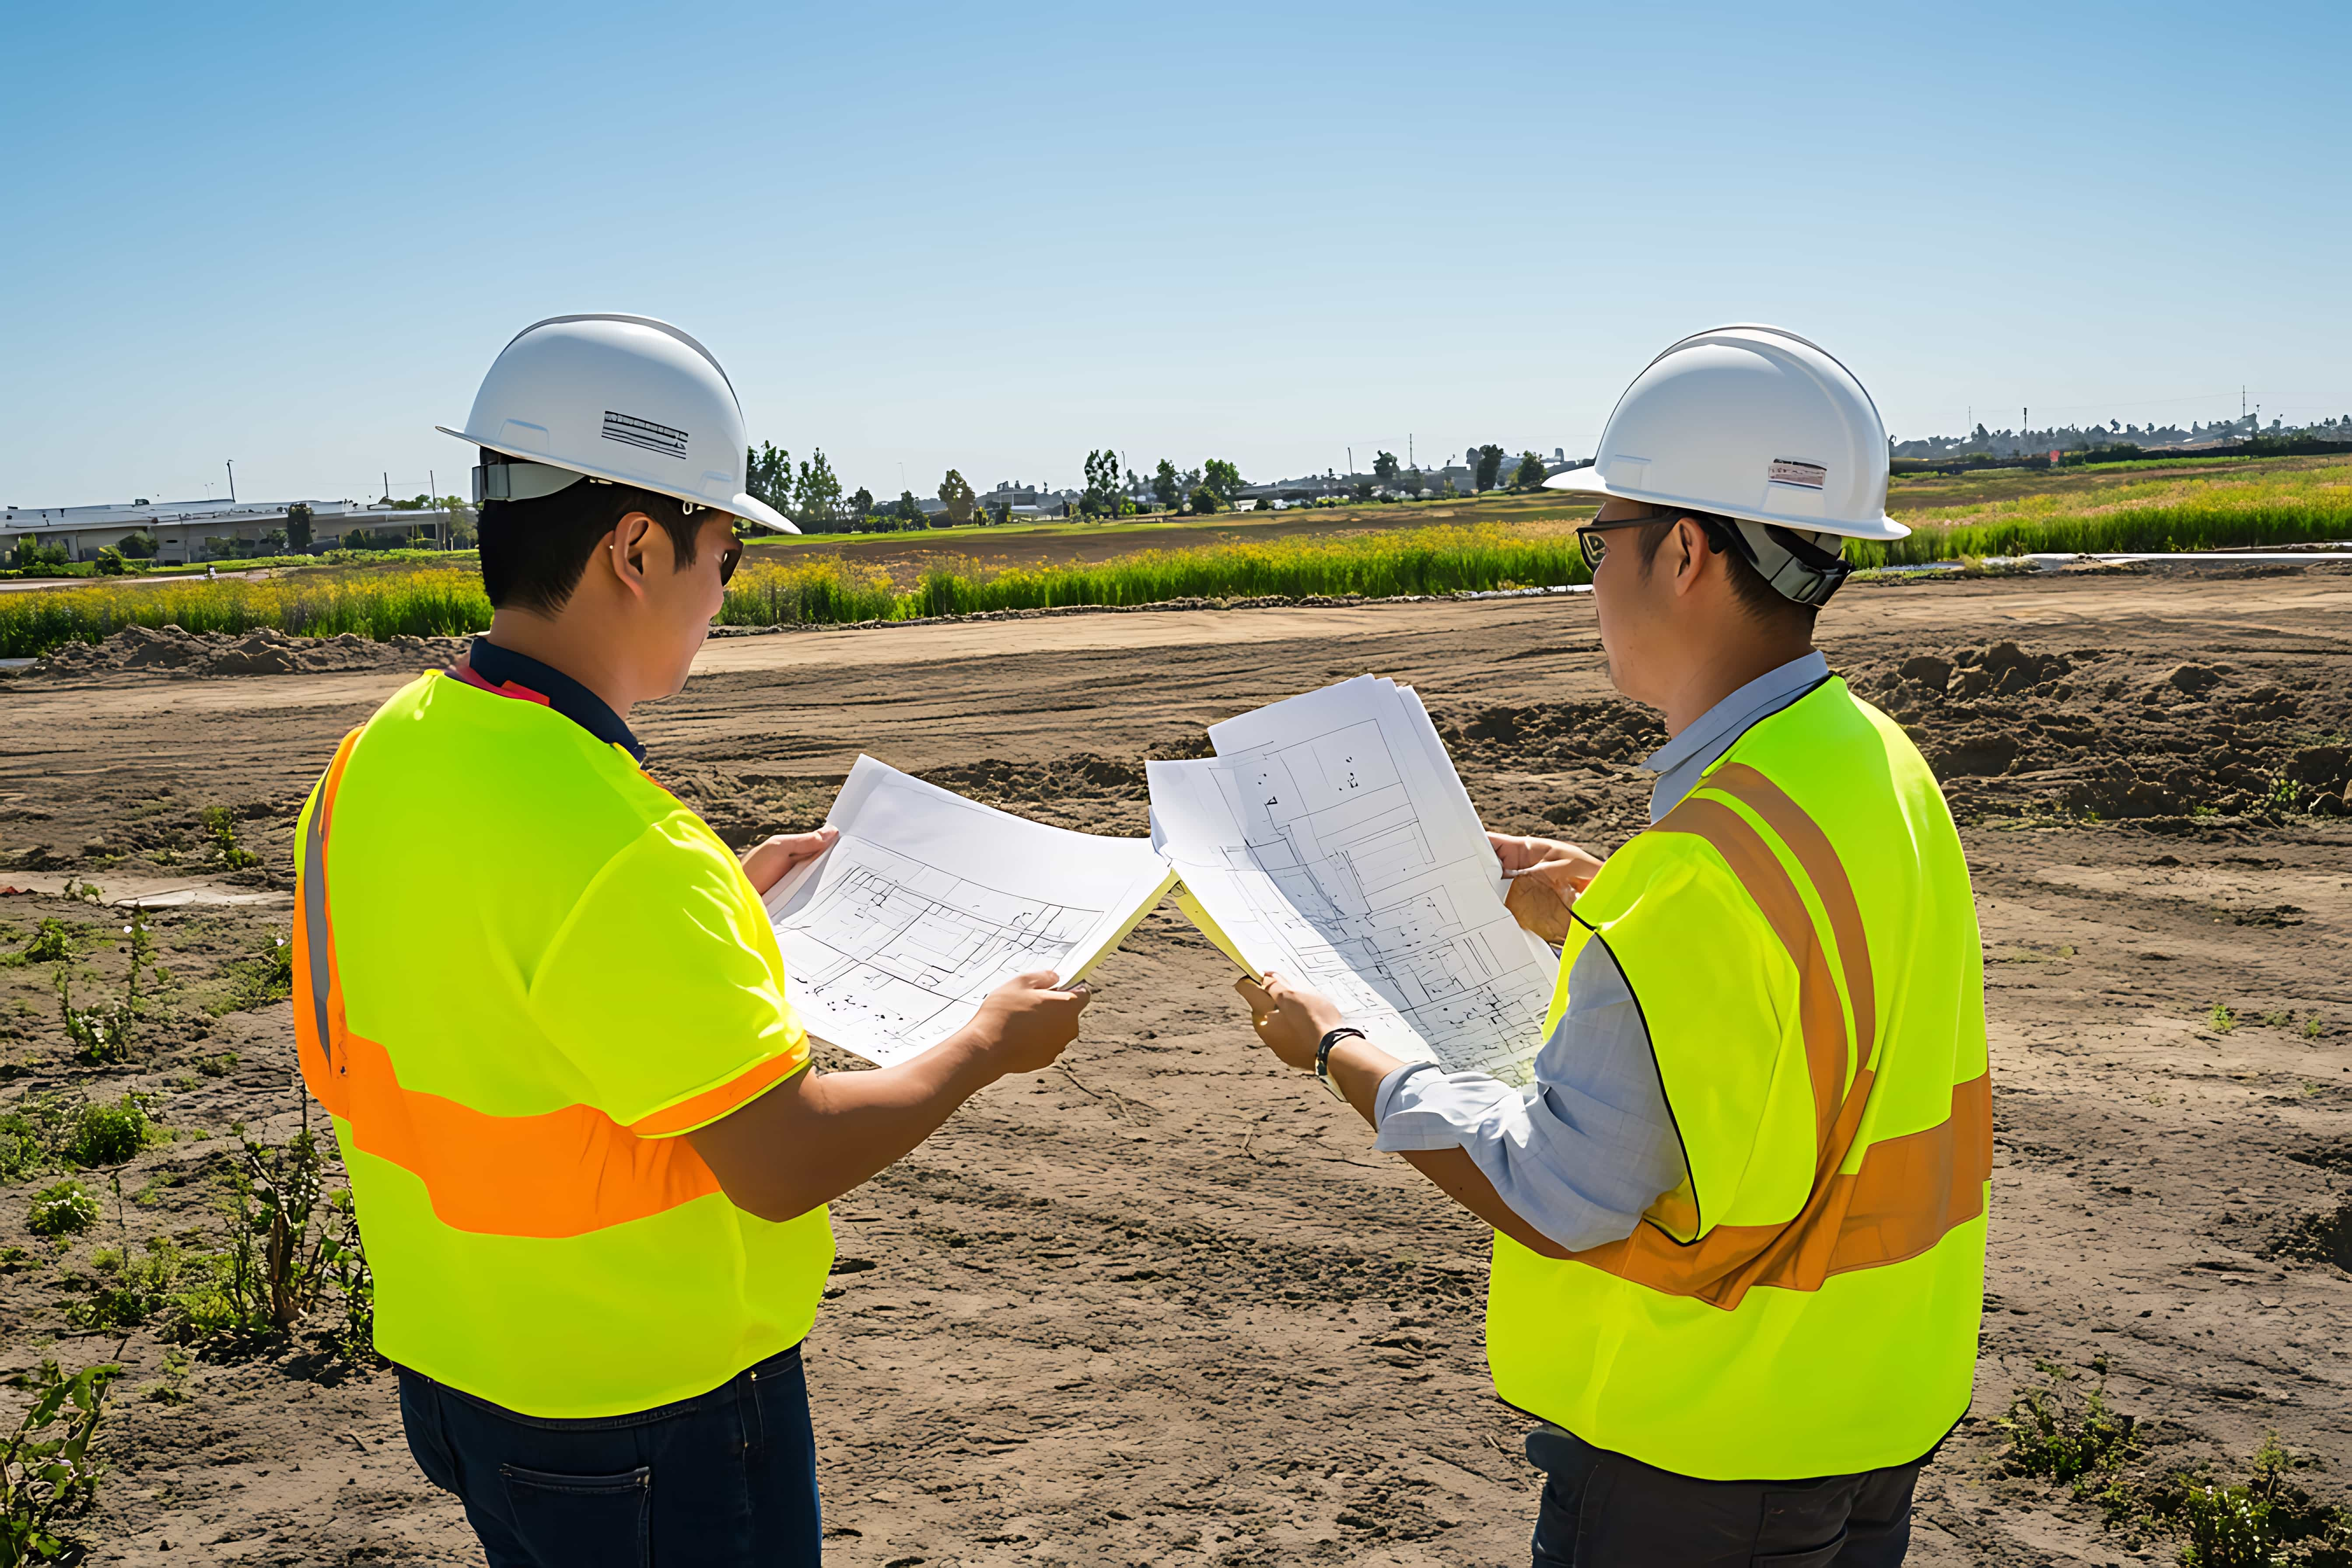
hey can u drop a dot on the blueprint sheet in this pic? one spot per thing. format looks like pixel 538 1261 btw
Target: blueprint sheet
pixel 928 901
pixel 1330 839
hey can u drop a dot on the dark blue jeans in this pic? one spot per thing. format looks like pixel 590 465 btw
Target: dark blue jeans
pixel 727 1477
pixel 1605 1510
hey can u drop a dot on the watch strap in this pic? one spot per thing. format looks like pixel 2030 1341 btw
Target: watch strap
pixel 1323 1055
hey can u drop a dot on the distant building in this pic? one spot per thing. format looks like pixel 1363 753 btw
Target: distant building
pixel 1011 493
pixel 183 528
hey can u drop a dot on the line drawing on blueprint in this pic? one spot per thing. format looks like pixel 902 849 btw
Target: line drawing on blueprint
pixel 1352 885
pixel 893 938
pixel 895 944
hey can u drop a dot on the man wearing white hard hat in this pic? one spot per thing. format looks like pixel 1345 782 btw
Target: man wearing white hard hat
pixel 1740 1213
pixel 545 1007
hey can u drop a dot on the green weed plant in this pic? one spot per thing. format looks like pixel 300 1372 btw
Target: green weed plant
pixel 106 1135
pixel 52 942
pixel 2263 1522
pixel 61 1210
pixel 2067 1435
pixel 128 1289
pixel 2057 1431
pixel 171 1388
pixel 289 1242
pixel 220 827
pixel 106 1031
pixel 46 1470
pixel 255 981
pixel 32 1131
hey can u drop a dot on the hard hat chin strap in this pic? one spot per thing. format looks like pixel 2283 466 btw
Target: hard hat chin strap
pixel 508 479
pixel 520 481
pixel 1796 568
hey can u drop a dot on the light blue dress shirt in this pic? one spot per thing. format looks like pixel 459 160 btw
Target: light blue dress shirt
pixel 1582 1152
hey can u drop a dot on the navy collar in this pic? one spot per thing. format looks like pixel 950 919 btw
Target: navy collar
pixel 504 667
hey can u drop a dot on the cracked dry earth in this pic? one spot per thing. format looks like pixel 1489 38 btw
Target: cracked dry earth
pixel 1162 1304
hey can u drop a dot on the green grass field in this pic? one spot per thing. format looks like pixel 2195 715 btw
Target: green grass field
pixel 2285 501
pixel 1431 548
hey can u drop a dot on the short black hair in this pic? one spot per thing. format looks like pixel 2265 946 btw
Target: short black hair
pixel 1749 590
pixel 534 552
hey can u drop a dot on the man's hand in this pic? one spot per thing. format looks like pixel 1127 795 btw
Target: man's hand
pixel 1024 1024
pixel 768 861
pixel 811 1138
pixel 1544 878
pixel 1290 1019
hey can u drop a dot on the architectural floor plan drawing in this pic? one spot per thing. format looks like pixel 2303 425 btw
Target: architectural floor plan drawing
pixel 1330 840
pixel 928 901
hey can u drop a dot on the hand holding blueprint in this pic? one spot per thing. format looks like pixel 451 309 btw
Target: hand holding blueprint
pixel 928 901
pixel 1330 839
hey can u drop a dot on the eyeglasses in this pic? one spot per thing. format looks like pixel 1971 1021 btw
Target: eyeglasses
pixel 728 559
pixel 1589 540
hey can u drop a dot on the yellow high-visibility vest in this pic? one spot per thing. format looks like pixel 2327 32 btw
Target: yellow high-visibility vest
pixel 1801 937
pixel 522 969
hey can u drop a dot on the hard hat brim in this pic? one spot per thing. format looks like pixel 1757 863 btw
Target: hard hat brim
pixel 1588 482
pixel 749 508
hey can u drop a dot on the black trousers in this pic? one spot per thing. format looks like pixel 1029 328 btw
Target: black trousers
pixel 727 1477
pixel 1604 1511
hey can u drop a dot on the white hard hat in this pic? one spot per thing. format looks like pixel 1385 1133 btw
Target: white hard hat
pixel 1752 422
pixel 626 399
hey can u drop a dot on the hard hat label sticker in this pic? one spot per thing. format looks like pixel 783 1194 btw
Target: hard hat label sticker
pixel 1785 472
pixel 632 431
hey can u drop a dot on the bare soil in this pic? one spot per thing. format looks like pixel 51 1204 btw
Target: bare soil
pixel 1163 1303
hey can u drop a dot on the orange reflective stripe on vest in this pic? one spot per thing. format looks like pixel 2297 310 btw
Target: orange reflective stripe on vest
pixel 1908 1192
pixel 562 1173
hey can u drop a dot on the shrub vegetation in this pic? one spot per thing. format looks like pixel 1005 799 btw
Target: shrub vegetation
pixel 2174 512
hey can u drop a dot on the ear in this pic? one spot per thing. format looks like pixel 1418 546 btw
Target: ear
pixel 626 545
pixel 1691 556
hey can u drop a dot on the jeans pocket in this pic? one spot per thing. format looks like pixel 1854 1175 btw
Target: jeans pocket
pixel 582 1522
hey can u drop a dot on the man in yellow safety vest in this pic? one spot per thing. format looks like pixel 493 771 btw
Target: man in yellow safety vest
pixel 589 1162
pixel 1740 1209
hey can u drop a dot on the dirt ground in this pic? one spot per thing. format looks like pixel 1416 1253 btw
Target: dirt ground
pixel 1163 1304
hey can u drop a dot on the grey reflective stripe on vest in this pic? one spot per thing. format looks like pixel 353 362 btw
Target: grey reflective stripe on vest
pixel 314 917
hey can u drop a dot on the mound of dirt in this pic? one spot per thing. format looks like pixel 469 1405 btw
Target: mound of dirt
pixel 2107 733
pixel 2324 1236
pixel 170 650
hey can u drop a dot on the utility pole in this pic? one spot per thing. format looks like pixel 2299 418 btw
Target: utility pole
pixel 387 484
pixel 1408 451
pixel 1351 462
pixel 232 481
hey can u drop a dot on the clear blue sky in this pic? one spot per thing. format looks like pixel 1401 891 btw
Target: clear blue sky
pixel 994 237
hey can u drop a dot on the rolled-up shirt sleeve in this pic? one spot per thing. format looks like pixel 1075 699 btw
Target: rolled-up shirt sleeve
pixel 1581 1153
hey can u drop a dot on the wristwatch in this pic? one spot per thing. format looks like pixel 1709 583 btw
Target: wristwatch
pixel 1323 1055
